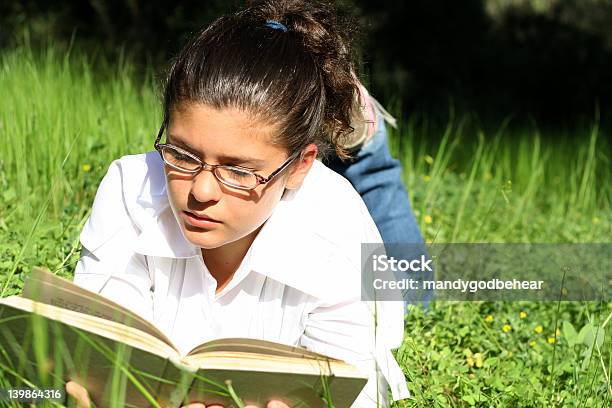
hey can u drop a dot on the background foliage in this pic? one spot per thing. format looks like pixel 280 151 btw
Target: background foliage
pixel 545 59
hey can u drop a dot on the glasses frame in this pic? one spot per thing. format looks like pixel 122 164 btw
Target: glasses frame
pixel 212 167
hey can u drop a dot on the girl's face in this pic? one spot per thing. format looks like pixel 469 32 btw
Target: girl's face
pixel 230 137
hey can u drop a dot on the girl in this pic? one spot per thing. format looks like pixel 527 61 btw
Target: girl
pixel 232 228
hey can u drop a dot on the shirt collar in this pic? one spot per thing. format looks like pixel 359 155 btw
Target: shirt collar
pixel 293 250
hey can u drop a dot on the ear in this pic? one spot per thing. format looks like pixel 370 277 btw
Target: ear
pixel 302 165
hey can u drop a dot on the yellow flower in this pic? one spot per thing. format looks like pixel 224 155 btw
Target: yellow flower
pixel 523 315
pixel 478 360
pixel 426 178
pixel 506 328
pixel 428 159
pixel 473 359
pixel 489 319
pixel 86 168
pixel 551 340
pixel 538 329
pixel 558 333
pixel 596 220
pixel 428 219
pixel 532 343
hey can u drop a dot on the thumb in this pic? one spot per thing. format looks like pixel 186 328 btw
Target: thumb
pixel 79 393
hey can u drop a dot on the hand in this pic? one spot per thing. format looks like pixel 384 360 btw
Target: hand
pixel 270 404
pixel 79 393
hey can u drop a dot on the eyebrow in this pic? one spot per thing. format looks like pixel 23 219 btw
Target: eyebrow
pixel 224 158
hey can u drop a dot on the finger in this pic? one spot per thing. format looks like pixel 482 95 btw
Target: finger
pixel 214 406
pixel 194 405
pixel 79 393
pixel 276 404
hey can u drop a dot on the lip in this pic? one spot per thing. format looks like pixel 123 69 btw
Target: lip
pixel 200 220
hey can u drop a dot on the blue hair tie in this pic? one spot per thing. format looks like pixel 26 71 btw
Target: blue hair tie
pixel 276 25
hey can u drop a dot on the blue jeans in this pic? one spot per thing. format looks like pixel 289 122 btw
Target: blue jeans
pixel 376 176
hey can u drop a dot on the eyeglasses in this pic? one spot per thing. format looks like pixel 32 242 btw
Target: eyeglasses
pixel 231 176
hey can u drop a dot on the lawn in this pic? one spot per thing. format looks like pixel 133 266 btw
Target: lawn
pixel 65 116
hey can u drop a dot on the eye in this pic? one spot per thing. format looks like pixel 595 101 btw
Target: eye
pixel 179 159
pixel 235 175
pixel 241 168
pixel 239 172
pixel 178 156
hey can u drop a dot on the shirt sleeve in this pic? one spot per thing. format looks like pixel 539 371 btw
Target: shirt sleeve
pixel 108 265
pixel 346 331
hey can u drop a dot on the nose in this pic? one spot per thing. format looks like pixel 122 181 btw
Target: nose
pixel 205 186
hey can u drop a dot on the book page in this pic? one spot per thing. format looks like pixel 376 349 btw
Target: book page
pixel 261 370
pixel 236 360
pixel 46 287
pixel 87 349
pixel 263 347
pixel 92 324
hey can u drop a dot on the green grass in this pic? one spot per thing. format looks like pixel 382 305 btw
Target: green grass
pixel 64 117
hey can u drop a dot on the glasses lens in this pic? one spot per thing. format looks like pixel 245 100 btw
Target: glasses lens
pixel 179 159
pixel 236 177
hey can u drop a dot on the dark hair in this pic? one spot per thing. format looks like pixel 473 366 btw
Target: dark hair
pixel 301 80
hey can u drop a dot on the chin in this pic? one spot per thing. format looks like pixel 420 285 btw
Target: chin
pixel 204 239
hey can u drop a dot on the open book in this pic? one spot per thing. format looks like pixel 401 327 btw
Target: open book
pixel 57 328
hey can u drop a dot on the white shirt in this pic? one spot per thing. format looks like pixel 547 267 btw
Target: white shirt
pixel 299 283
